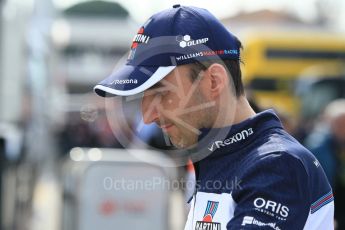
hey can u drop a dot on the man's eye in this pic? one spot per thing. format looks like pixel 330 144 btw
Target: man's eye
pixel 160 92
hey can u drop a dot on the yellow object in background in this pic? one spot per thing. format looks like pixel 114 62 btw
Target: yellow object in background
pixel 275 63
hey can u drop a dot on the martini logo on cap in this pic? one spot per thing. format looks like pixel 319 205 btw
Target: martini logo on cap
pixel 139 38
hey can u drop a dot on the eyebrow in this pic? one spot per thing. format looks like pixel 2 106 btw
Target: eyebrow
pixel 159 86
pixel 156 86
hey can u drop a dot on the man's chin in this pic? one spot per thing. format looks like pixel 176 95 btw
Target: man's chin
pixel 182 144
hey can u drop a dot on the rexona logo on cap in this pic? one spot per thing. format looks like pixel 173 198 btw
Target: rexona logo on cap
pixel 125 81
pixel 176 36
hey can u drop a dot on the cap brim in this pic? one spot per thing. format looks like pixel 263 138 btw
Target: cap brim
pixel 131 80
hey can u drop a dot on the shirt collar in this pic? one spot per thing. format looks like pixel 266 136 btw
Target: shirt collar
pixel 226 140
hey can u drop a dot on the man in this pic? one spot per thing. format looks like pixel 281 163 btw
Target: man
pixel 250 173
pixel 327 143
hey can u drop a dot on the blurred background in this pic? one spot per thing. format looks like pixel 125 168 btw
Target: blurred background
pixel 61 161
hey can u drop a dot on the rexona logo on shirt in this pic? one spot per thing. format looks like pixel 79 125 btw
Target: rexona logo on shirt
pixel 206 223
pixel 240 136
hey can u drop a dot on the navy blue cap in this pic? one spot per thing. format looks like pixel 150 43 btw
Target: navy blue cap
pixel 176 36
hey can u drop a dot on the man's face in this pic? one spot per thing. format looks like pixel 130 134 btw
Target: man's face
pixel 179 106
pixel 338 129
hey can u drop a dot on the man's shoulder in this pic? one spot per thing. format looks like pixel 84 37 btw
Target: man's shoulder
pixel 279 146
pixel 279 154
pixel 282 158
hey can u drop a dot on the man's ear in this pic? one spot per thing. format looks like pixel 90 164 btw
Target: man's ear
pixel 218 78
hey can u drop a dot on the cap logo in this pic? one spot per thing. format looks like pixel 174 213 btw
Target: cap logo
pixel 186 40
pixel 139 38
pixel 124 81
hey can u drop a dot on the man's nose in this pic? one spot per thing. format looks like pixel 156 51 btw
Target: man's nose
pixel 149 109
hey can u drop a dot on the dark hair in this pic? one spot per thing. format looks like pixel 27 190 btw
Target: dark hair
pixel 233 69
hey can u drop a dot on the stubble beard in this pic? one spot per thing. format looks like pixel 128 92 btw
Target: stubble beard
pixel 203 118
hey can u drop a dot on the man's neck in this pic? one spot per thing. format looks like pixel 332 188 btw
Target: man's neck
pixel 238 112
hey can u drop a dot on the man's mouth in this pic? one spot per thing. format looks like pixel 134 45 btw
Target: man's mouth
pixel 166 127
